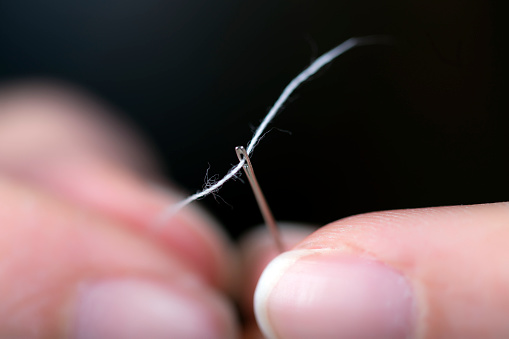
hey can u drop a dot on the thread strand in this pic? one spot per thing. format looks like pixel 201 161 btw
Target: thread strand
pixel 287 92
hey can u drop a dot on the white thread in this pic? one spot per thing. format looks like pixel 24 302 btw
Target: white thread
pixel 289 89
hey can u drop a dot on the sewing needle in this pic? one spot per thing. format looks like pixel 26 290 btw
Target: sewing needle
pixel 260 199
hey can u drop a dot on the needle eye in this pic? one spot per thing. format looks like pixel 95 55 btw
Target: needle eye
pixel 260 199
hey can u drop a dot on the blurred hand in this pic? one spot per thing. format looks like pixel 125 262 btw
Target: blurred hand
pixel 79 254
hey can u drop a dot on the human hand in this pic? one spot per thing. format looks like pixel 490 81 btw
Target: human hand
pixel 426 273
pixel 79 254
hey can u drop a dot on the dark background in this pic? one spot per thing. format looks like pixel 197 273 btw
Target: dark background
pixel 420 123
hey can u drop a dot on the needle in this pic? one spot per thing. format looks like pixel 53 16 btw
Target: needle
pixel 260 199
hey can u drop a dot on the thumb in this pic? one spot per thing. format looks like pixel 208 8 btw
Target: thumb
pixel 428 273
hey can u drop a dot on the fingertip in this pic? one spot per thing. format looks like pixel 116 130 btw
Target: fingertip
pixel 448 263
pixel 324 294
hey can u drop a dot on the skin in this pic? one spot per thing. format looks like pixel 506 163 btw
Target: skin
pixel 79 204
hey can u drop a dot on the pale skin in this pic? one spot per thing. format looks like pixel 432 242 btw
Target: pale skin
pixel 80 258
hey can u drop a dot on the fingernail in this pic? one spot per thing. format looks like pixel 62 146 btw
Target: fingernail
pixel 319 294
pixel 139 309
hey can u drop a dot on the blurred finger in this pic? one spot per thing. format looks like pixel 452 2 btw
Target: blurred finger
pixel 68 273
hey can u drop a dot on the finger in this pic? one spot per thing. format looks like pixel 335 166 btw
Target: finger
pixel 64 142
pixel 429 273
pixel 68 273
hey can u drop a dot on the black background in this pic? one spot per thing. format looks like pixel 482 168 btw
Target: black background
pixel 420 123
